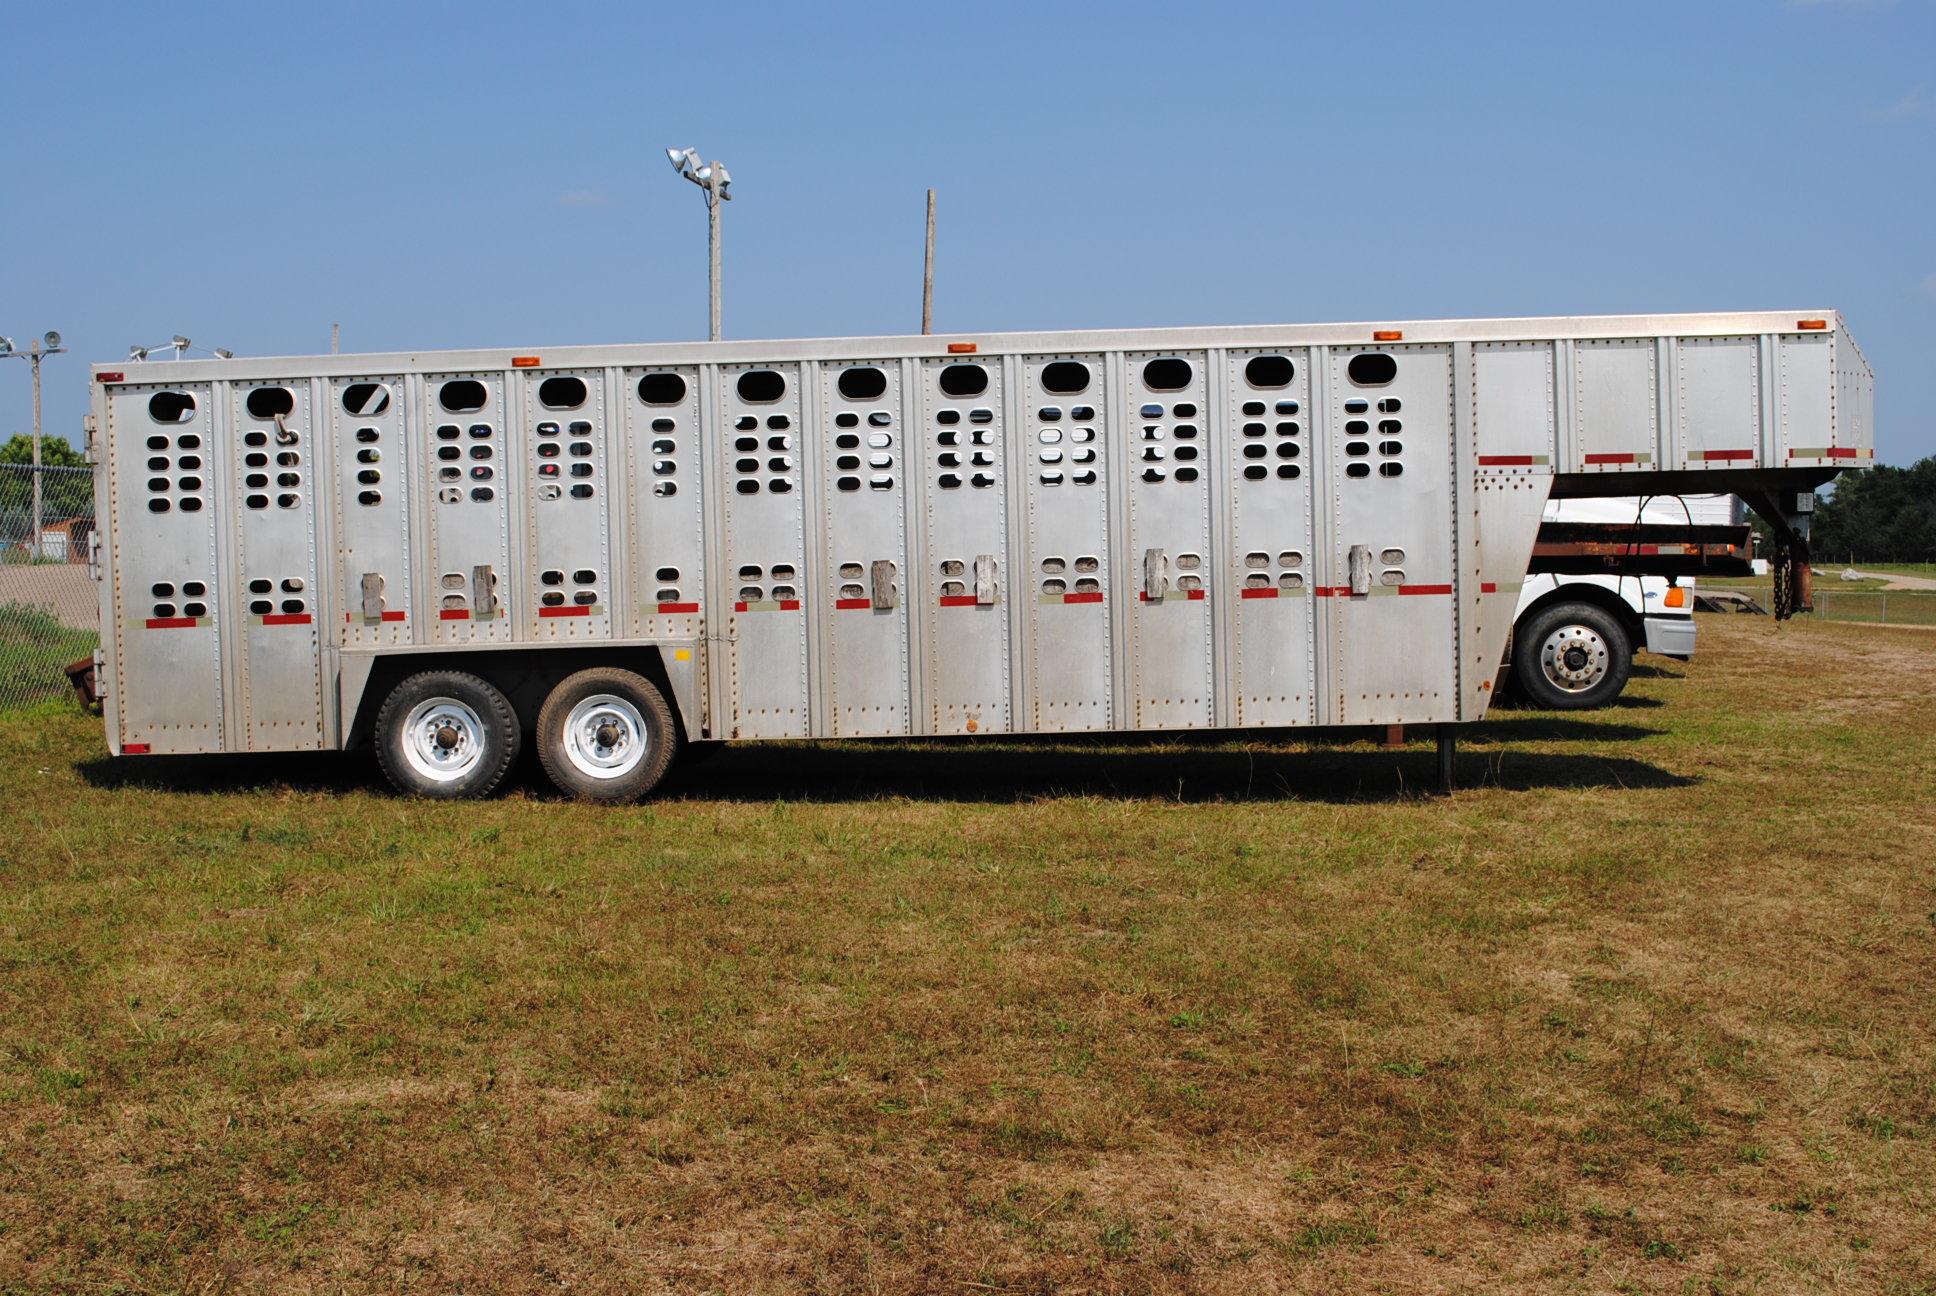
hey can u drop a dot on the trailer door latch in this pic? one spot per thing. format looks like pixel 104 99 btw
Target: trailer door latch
pixel 1156 575
pixel 483 591
pixel 883 584
pixel 984 580
pixel 1359 570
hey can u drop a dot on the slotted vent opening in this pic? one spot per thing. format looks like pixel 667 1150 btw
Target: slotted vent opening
pixel 366 399
pixel 761 386
pixel 565 391
pixel 268 403
pixel 171 407
pixel 1372 369
pixel 1167 374
pixel 1065 377
pixel 1266 371
pixel 462 395
pixel 862 383
pixel 662 388
pixel 963 380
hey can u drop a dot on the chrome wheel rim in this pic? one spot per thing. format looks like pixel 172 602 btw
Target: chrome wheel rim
pixel 443 739
pixel 605 737
pixel 1574 658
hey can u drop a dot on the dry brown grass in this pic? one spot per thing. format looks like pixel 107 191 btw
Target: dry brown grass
pixel 1648 1011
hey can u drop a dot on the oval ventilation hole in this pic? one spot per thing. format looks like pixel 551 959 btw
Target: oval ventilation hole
pixel 562 392
pixel 963 380
pixel 266 403
pixel 761 386
pixel 1269 371
pixel 864 382
pixel 366 399
pixel 1372 369
pixel 171 407
pixel 662 388
pixel 462 395
pixel 1065 377
pixel 1167 374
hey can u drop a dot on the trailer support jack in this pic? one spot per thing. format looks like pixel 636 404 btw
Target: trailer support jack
pixel 1448 736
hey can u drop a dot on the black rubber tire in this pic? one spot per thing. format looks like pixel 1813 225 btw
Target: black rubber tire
pixel 500 735
pixel 661 735
pixel 1597 624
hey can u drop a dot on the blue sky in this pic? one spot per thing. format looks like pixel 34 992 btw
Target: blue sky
pixel 483 174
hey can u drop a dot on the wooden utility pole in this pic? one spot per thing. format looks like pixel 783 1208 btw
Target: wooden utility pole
pixel 927 274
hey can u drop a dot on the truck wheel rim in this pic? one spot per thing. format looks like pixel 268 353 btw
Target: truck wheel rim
pixel 1574 658
pixel 443 739
pixel 605 737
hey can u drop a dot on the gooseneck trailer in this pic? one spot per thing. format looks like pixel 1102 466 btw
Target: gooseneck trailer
pixel 610 551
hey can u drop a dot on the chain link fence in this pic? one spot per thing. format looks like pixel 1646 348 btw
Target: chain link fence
pixel 1898 607
pixel 50 608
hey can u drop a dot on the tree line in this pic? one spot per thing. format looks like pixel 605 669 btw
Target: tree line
pixel 1882 515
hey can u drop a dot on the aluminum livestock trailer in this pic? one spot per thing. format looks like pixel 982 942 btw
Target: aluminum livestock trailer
pixel 612 550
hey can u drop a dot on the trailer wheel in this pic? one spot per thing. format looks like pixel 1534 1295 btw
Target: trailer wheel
pixel 606 735
pixel 446 734
pixel 1572 657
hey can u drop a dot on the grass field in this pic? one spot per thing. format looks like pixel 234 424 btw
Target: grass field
pixel 1647 1009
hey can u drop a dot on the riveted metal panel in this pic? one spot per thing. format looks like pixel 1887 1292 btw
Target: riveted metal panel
pixel 1162 410
pixel 168 597
pixel 469 513
pixel 765 521
pixel 371 503
pixel 1805 399
pixel 967 584
pixel 667 501
pixel 1718 396
pixel 1066 577
pixel 865 583
pixel 563 439
pixel 272 470
pixel 1268 571
pixel 1513 397
pixel 1390 456
pixel 1616 406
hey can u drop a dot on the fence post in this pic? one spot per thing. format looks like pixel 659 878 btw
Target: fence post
pixel 1885 608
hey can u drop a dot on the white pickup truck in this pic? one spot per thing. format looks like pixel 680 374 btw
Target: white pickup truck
pixel 1574 637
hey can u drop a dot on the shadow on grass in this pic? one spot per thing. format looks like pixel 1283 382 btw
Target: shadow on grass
pixel 1164 767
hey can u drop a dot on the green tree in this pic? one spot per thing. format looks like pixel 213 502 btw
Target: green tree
pixel 63 494
pixel 1882 515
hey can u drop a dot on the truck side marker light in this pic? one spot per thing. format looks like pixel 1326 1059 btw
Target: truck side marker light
pixel 524 362
pixel 1387 335
pixel 1800 324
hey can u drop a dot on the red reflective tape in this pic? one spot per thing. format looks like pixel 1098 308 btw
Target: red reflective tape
pixel 1257 593
pixel 958 600
pixel 1329 591
pixel 1727 454
pixel 859 604
pixel 394 616
pixel 133 749
pixel 1609 458
pixel 1841 452
pixel 1090 596
pixel 739 607
pixel 1487 587
pixel 286 618
pixel 685 607
pixel 1506 461
pixel 1424 589
pixel 114 375
pixel 1196 594
pixel 454 614
pixel 170 623
pixel 789 605
pixel 575 610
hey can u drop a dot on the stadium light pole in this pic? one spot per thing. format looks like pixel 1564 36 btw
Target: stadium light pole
pixel 48 343
pixel 713 178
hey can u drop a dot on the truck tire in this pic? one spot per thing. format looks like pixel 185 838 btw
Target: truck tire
pixel 446 734
pixel 606 734
pixel 1572 657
